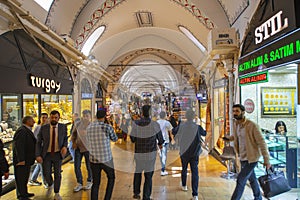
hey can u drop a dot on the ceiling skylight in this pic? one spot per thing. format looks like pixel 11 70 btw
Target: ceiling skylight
pixel 188 34
pixel 90 42
pixel 44 4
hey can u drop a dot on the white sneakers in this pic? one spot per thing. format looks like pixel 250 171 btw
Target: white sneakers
pixel 164 173
pixel 184 188
pixel 78 187
pixel 57 196
pixel 88 185
pixel 195 197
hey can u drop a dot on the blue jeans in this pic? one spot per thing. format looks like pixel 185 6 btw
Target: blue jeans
pixel 37 170
pixel 246 173
pixel 163 156
pixel 71 150
pixel 110 173
pixel 77 165
pixel 148 167
pixel 194 169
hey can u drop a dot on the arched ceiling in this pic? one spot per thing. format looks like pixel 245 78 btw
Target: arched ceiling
pixel 125 34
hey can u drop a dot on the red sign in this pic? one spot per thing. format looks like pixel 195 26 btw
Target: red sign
pixel 254 78
pixel 249 105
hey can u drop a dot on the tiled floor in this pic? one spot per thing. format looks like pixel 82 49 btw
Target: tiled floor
pixel 211 186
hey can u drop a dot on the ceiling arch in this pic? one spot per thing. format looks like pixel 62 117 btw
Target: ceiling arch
pixel 168 40
pixel 126 31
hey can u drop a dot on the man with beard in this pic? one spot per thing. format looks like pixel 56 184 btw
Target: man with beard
pixel 52 142
pixel 250 145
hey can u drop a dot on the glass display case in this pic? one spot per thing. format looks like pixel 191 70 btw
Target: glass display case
pixel 284 153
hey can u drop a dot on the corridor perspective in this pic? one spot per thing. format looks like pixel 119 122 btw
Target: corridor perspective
pixel 211 185
pixel 229 66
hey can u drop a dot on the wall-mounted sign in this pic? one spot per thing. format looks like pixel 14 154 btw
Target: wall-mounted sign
pixel 287 49
pixel 86 95
pixel 218 38
pixel 271 20
pixel 270 27
pixel 254 78
pixel 249 106
pixel 44 83
pixel 278 101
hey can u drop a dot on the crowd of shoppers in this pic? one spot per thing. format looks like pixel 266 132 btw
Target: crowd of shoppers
pixel 92 140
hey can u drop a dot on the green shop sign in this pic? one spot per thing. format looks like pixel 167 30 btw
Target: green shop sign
pixel 284 50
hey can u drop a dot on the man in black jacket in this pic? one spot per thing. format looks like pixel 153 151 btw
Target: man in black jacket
pixel 145 133
pixel 189 136
pixel 23 156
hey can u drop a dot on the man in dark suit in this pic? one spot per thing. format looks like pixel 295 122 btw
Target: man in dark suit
pixel 23 156
pixel 52 142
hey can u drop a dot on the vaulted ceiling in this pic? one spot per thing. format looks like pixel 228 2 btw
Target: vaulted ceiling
pixel 141 31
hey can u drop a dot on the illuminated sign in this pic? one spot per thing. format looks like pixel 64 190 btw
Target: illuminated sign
pixel 254 78
pixel 287 49
pixel 45 83
pixel 270 27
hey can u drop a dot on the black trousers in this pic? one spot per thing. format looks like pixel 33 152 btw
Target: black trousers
pixel 22 173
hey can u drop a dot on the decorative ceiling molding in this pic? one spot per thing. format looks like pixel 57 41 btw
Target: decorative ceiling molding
pixel 196 12
pixel 233 10
pixel 95 17
pixel 110 4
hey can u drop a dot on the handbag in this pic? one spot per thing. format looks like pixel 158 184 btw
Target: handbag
pixel 273 183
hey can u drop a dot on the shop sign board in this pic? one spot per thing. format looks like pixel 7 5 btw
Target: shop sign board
pixel 46 83
pixel 254 78
pixel 249 106
pixel 86 95
pixel 285 50
pixel 271 20
pixel 278 101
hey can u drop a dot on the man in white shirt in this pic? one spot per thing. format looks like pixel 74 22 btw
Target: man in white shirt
pixel 166 129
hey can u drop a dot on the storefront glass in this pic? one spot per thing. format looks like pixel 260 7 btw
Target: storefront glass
pixel 275 101
pixel 86 104
pixel 219 118
pixel 30 106
pixel 11 113
pixel 61 103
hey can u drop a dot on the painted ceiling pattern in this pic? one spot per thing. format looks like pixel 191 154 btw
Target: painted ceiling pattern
pixel 110 4
pixel 233 12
